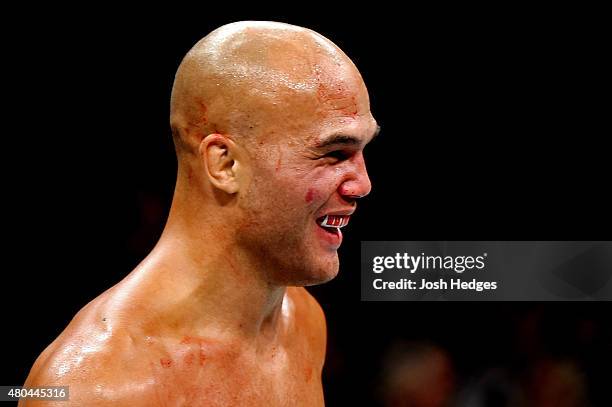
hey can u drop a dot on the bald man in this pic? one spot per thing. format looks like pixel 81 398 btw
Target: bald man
pixel 269 122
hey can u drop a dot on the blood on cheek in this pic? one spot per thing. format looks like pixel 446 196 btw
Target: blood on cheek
pixel 328 182
pixel 311 194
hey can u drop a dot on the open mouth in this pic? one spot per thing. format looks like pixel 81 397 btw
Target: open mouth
pixel 333 223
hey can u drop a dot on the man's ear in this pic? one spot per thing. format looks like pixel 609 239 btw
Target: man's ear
pixel 222 162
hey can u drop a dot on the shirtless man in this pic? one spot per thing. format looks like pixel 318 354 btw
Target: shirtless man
pixel 269 122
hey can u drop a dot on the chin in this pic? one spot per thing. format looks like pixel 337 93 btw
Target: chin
pixel 319 281
pixel 321 272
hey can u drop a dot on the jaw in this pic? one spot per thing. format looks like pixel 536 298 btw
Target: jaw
pixel 323 270
pixel 314 261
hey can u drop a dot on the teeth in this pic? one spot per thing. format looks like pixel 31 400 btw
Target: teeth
pixel 335 221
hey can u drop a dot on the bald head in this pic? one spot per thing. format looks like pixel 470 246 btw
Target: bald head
pixel 245 77
pixel 270 121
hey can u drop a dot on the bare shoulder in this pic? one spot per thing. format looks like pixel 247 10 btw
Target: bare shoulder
pixel 310 319
pixel 307 304
pixel 97 360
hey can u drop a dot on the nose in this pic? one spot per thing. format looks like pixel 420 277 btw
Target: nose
pixel 356 184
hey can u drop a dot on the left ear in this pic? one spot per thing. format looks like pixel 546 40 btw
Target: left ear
pixel 224 162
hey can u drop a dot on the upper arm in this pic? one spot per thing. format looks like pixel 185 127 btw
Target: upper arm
pixel 94 379
pixel 90 390
pixel 40 376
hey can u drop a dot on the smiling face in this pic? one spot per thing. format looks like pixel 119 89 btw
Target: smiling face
pixel 308 171
pixel 298 116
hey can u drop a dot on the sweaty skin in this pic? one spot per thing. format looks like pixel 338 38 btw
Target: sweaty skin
pixel 269 122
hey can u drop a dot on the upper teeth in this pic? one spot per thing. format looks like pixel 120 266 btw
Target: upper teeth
pixel 335 221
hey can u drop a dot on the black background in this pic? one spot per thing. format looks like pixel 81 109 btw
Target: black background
pixel 493 128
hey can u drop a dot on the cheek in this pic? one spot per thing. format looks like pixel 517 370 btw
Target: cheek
pixel 311 194
pixel 326 182
pixel 322 188
pixel 316 194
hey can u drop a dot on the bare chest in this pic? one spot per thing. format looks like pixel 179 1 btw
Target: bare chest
pixel 200 375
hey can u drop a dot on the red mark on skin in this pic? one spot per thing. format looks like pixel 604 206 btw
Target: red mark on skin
pixel 190 340
pixel 202 356
pixel 310 194
pixel 190 175
pixel 165 362
pixel 231 263
pixel 355 109
pixel 280 158
pixel 200 118
pixel 337 98
pixel 249 223
pixel 322 93
pixel 308 372
pixel 189 359
pixel 346 106
pixel 203 111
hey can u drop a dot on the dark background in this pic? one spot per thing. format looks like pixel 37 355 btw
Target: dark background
pixel 493 129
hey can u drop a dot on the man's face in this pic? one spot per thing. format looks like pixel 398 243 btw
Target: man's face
pixel 308 164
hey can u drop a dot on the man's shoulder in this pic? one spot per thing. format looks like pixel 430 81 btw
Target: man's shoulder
pixel 306 306
pixel 310 318
pixel 94 364
pixel 92 354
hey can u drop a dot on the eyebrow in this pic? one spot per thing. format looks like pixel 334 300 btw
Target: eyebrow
pixel 343 139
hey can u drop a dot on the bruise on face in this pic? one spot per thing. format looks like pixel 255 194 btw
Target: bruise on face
pixel 336 100
pixel 310 195
pixel 199 116
pixel 333 94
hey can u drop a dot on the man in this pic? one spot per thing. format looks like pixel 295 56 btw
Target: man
pixel 269 122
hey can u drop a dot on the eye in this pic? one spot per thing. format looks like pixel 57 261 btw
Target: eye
pixel 338 155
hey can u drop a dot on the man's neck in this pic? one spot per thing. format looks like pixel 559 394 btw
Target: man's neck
pixel 204 284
